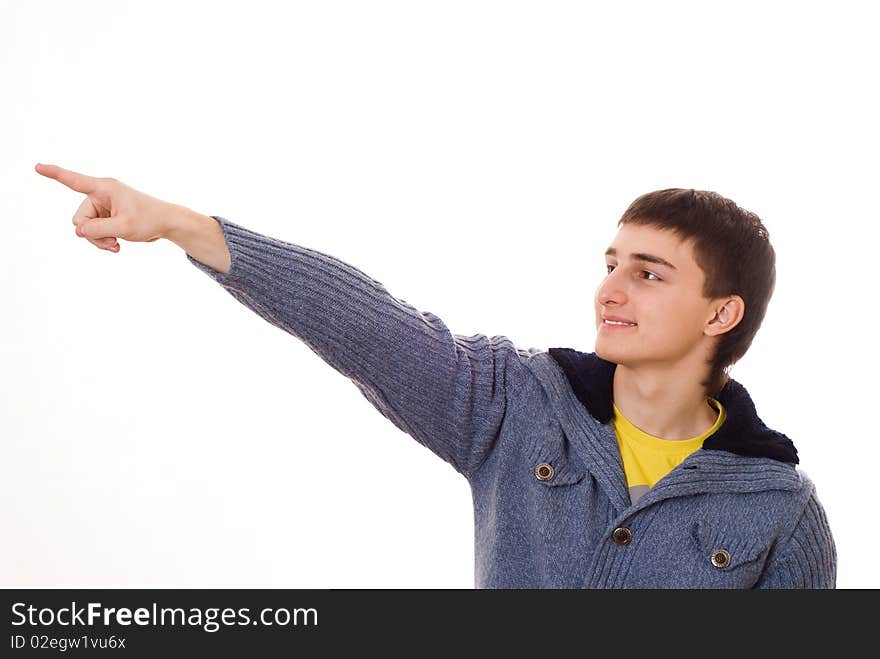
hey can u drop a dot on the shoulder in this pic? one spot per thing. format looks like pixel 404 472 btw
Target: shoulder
pixel 805 555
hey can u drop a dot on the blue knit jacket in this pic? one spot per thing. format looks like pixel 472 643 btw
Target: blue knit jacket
pixel 531 432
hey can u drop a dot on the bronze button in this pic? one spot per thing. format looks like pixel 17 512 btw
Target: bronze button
pixel 721 558
pixel 621 535
pixel 544 471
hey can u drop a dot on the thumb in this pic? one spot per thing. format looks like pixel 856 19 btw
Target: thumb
pixel 98 228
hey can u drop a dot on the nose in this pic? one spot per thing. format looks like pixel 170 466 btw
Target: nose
pixel 610 291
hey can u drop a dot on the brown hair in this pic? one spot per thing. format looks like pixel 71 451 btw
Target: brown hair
pixel 732 247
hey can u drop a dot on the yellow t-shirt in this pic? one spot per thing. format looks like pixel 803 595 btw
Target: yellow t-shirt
pixel 647 459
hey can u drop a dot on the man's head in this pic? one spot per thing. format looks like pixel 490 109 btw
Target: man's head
pixel 705 303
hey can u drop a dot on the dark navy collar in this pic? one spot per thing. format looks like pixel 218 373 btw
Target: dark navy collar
pixel 743 432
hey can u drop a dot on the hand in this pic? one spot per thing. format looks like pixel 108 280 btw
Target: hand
pixel 112 209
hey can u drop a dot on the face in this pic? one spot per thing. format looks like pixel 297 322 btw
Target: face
pixel 664 300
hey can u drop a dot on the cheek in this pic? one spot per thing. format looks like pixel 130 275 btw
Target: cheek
pixel 676 319
pixel 669 315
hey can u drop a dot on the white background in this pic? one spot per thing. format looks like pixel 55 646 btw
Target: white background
pixel 472 156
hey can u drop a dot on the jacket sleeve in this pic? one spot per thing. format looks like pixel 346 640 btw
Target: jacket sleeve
pixel 448 392
pixel 808 557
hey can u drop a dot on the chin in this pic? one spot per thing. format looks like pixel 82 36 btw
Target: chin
pixel 608 354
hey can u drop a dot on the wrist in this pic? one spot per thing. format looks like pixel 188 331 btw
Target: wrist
pixel 200 236
pixel 180 224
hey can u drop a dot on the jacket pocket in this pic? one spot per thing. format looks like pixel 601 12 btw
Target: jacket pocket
pixel 729 557
pixel 553 508
pixel 552 463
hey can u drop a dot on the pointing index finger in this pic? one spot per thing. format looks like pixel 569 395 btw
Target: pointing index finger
pixel 73 180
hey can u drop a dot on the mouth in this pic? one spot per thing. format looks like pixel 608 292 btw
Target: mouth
pixel 617 325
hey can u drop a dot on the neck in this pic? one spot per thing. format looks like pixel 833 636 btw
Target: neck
pixel 670 404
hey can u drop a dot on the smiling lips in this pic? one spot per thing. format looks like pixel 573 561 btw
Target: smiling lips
pixel 617 325
pixel 616 321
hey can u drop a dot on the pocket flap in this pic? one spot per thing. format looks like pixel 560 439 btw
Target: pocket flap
pixel 563 472
pixel 553 462
pixel 725 549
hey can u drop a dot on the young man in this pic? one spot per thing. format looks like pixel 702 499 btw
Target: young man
pixel 639 465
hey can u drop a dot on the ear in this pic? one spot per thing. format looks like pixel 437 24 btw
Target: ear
pixel 726 314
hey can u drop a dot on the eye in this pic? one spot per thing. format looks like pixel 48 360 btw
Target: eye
pixel 647 272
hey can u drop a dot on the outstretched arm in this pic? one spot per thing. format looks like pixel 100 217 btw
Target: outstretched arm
pixel 447 391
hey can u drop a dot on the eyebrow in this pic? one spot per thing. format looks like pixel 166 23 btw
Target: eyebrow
pixel 641 256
